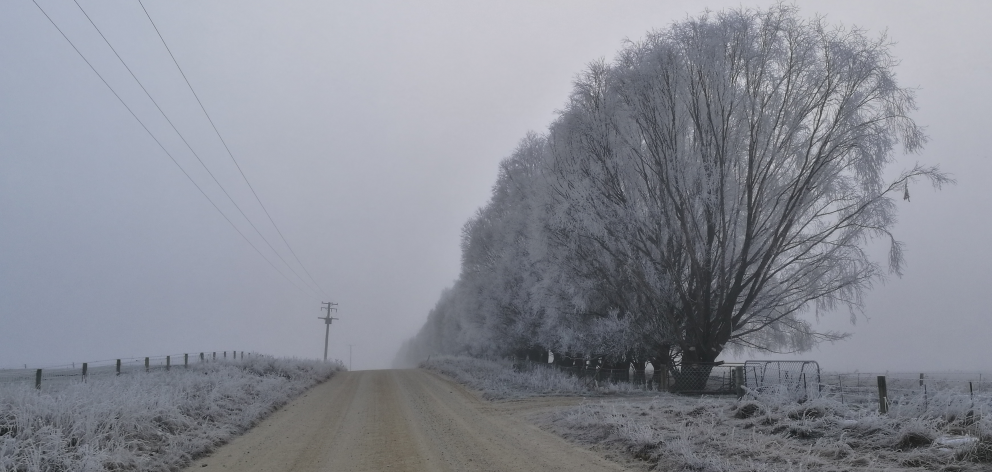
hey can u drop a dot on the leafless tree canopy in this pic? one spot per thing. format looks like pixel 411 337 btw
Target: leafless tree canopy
pixel 707 189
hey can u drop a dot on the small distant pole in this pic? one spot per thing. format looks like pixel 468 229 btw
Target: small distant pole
pixel 349 357
pixel 883 396
pixel 118 367
pixel 146 364
pixel 840 382
pixel 331 306
pixel 85 365
pixel 37 379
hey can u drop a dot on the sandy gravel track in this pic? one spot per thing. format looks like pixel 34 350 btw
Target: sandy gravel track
pixel 400 420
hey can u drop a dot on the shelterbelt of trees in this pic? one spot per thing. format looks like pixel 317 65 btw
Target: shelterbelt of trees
pixel 711 188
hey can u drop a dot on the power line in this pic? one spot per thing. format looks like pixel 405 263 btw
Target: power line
pixel 167 153
pixel 188 146
pixel 228 149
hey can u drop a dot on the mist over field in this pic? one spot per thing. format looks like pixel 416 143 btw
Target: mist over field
pixel 372 132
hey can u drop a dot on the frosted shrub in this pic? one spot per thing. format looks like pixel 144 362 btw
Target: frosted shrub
pixel 157 421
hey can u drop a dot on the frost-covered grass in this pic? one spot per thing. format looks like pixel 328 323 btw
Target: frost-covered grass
pixel 772 433
pixel 157 421
pixel 945 430
pixel 502 379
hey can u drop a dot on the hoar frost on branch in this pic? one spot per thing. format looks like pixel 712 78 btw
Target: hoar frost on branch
pixel 716 182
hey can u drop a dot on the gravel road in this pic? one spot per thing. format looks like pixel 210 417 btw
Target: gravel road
pixel 400 420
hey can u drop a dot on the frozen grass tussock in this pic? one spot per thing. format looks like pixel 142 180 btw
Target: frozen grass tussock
pixel 156 421
pixel 771 432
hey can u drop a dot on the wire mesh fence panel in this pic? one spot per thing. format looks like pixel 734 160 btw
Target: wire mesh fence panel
pixel 703 379
pixel 798 379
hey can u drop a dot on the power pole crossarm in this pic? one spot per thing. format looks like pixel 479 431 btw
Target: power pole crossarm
pixel 327 322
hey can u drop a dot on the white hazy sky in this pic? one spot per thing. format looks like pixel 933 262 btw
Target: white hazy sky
pixel 372 131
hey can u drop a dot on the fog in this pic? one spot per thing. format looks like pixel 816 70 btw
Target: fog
pixel 372 131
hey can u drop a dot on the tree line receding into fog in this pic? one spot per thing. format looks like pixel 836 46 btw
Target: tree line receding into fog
pixel 713 187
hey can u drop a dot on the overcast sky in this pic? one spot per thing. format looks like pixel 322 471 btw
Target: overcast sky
pixel 371 131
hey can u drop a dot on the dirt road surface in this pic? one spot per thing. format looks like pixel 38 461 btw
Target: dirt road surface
pixel 400 420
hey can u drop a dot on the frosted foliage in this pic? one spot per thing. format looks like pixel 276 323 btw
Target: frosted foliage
pixel 157 421
pixel 711 188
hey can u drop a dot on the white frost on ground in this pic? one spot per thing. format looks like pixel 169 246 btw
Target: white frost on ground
pixel 157 421
pixel 504 379
pixel 767 432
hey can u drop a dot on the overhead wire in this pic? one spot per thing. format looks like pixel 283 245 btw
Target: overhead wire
pixel 167 153
pixel 228 149
pixel 188 146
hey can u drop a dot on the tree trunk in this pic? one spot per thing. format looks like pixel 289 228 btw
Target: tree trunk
pixel 691 377
pixel 639 378
pixel 662 365
pixel 697 364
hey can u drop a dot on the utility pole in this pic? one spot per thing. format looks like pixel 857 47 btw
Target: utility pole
pixel 327 322
pixel 349 357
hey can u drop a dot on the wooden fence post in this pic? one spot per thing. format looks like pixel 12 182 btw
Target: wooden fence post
pixel 146 364
pixel 37 379
pixel 840 383
pixel 201 357
pixel 215 355
pixel 85 365
pixel 926 402
pixel 168 363
pixel 739 381
pixel 883 396
pixel 186 361
pixel 118 367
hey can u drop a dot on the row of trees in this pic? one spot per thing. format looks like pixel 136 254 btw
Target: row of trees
pixel 711 188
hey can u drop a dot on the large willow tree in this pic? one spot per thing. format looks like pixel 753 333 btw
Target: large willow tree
pixel 737 162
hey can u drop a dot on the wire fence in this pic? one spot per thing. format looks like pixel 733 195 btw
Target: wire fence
pixel 901 393
pixel 933 393
pixel 54 376
pixel 702 379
